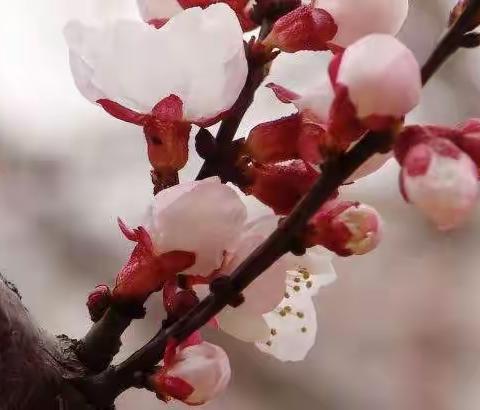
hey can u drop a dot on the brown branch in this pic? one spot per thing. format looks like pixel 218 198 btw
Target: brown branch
pixel 257 71
pixel 33 364
pixel 451 41
pixel 102 389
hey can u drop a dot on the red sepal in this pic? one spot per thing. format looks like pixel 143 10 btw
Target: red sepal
pixel 280 186
pixel 122 113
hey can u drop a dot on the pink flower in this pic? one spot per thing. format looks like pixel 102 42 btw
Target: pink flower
pixel 355 21
pixel 440 180
pixel 201 217
pixel 195 375
pixel 376 81
pixel 346 228
pixel 469 139
pixel 136 74
pixel 305 28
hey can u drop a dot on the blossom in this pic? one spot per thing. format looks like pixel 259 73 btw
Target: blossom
pixel 157 12
pixel 200 217
pixel 354 22
pixel 305 28
pixel 195 375
pixel 278 313
pixel 346 228
pixel 440 180
pixel 190 71
pixel 377 81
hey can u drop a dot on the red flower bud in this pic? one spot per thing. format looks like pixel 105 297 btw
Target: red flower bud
pixel 305 28
pixel 281 185
pixel 98 302
pixel 346 228
pixel 469 140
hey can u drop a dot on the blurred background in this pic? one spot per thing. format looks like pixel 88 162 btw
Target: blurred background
pixel 399 330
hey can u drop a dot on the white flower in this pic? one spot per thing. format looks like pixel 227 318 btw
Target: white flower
pixel 356 19
pixel 278 312
pixel 381 75
pixel 197 56
pixel 202 217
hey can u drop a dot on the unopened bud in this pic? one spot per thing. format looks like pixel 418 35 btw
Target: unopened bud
pixel 98 302
pixel 442 181
pixel 346 228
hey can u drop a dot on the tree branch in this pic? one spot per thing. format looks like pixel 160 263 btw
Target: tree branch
pixel 102 389
pixel 34 365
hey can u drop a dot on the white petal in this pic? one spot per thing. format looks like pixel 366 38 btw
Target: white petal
pixel 243 325
pixel 158 9
pixel 198 56
pixel 355 19
pixel 293 329
pixel 206 368
pixel 202 217
pixel 266 292
pixel 382 76
pixel 317 100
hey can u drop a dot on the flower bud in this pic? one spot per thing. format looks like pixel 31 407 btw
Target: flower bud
pixel 440 180
pixel 281 185
pixel 305 28
pixel 377 81
pixel 346 228
pixel 98 302
pixel 196 375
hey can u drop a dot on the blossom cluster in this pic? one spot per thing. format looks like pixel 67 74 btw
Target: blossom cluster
pixel 184 66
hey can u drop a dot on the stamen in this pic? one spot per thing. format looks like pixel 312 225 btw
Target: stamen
pixel 269 343
pixel 301 315
pixel 304 329
pixel 273 332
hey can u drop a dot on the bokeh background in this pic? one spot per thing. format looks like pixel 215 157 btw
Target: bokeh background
pixel 399 330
